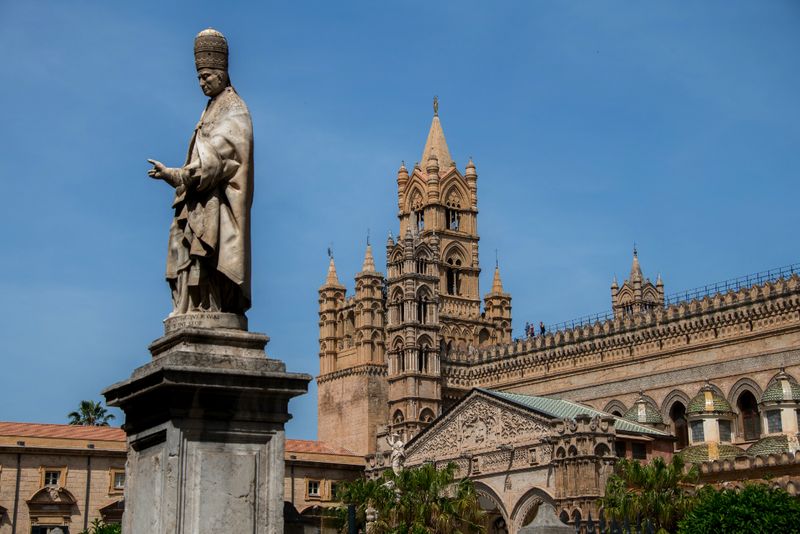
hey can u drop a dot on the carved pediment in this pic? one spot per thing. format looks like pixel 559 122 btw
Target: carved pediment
pixel 478 424
pixel 51 503
pixel 51 495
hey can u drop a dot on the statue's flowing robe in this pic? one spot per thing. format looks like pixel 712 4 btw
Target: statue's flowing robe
pixel 211 228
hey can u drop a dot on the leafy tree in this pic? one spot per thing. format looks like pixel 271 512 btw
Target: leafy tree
pixel 756 509
pixel 658 491
pixel 90 413
pixel 424 500
pixel 99 527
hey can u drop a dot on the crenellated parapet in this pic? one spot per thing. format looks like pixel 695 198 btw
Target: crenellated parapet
pixel 682 327
pixel 778 470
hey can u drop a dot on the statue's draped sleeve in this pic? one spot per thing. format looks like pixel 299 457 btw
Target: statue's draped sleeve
pixel 215 207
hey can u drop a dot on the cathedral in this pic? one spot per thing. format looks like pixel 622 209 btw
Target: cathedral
pixel 419 354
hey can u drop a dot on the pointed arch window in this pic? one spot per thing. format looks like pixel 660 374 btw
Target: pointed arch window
pixel 422 263
pixel 422 358
pixel 748 410
pixel 422 309
pixel 677 414
pixel 453 276
pixel 453 211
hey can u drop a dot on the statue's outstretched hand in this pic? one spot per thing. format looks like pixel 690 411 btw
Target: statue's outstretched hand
pixel 159 170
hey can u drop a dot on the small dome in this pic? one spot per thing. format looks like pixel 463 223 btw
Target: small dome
pixel 708 401
pixel 710 451
pixel 643 412
pixel 769 445
pixel 782 389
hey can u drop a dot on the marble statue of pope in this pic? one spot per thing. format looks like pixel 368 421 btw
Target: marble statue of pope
pixel 208 259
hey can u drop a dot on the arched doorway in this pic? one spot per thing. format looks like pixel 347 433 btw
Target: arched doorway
pixel 748 415
pixel 495 520
pixel 677 414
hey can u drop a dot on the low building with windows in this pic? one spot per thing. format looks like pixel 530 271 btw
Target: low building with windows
pixel 57 479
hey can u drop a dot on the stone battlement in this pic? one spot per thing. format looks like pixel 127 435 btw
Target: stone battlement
pixel 689 325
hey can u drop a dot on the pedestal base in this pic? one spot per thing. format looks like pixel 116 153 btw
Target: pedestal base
pixel 205 432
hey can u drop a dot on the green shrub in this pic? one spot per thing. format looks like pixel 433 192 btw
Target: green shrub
pixel 756 509
pixel 99 527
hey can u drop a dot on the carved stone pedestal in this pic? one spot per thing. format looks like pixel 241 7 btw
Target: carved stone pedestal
pixel 205 425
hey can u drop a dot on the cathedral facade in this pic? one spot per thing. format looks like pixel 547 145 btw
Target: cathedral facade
pixel 710 374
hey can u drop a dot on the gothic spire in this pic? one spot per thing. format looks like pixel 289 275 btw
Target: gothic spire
pixel 436 143
pixel 332 279
pixel 497 284
pixel 636 270
pixel 369 261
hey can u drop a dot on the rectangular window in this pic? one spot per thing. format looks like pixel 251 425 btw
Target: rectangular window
pixel 620 449
pixel 698 435
pixel 639 451
pixel 51 478
pixel 119 480
pixel 774 421
pixel 313 488
pixel 532 458
pixel 334 488
pixel 725 431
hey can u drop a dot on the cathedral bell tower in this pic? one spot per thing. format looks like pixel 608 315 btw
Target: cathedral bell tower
pixel 433 295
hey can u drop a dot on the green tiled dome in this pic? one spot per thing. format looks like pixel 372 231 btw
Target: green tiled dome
pixel 647 416
pixel 775 391
pixel 769 445
pixel 695 454
pixel 698 404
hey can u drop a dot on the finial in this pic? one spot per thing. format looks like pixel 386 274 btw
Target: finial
pixel 496 260
pixel 367 236
pixel 635 252
pixel 330 251
pixel 435 106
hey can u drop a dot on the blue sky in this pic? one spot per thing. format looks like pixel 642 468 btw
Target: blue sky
pixel 592 124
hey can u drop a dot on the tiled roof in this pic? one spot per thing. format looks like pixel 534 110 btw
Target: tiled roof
pixel 775 392
pixel 648 416
pixel 306 445
pixel 700 405
pixel 699 453
pixel 37 430
pixel 564 409
pixel 769 445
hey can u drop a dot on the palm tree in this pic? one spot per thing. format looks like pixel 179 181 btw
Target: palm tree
pixel 90 413
pixel 422 500
pixel 658 492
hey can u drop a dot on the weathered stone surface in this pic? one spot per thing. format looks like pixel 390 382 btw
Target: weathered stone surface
pixel 204 422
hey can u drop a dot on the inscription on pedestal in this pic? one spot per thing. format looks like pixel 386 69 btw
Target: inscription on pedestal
pixel 205 320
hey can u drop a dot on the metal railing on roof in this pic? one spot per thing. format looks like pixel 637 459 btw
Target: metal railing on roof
pixel 733 284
